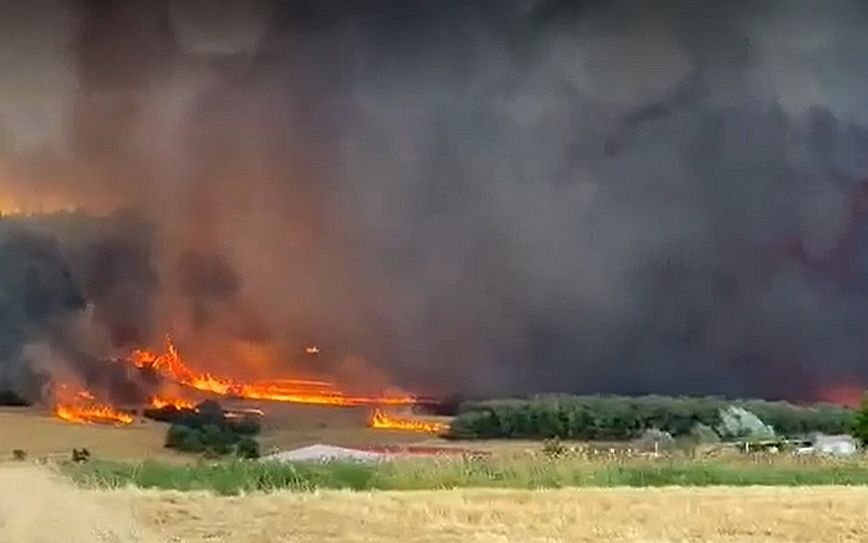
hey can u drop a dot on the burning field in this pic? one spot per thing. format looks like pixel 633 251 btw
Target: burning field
pixel 284 427
pixel 175 386
pixel 293 411
pixel 70 343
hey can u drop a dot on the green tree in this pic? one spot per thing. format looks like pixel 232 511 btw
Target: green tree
pixel 860 422
pixel 619 417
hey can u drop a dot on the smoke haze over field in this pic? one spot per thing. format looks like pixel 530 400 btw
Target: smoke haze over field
pixel 491 197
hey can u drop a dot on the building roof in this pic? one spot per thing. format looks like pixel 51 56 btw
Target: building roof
pixel 841 438
pixel 323 453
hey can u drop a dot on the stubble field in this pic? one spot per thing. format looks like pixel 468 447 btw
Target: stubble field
pixel 38 506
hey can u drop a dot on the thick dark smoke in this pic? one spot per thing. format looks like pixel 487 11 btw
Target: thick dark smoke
pixel 72 290
pixel 37 293
pixel 486 197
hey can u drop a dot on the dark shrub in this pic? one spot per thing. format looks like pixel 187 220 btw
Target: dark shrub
pixel 247 426
pixel 80 456
pixel 176 435
pixel 247 448
pixel 206 429
pixel 219 436
pixel 168 413
pixel 192 442
pixel 210 412
pixel 184 438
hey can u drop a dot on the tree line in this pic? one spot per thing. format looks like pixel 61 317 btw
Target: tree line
pixel 603 418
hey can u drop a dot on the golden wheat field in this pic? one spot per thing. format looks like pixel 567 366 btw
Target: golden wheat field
pixel 40 434
pixel 38 506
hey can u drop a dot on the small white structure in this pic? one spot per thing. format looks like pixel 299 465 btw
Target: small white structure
pixel 843 445
pixel 323 453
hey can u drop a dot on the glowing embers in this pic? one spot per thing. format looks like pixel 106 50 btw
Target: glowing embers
pixel 171 366
pixel 383 421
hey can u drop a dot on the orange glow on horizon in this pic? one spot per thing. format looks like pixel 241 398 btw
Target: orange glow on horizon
pixel 842 394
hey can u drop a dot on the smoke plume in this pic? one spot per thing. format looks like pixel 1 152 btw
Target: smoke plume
pixel 492 198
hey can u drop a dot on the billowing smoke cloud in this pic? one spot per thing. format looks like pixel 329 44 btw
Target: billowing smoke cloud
pixel 74 290
pixel 37 291
pixel 487 197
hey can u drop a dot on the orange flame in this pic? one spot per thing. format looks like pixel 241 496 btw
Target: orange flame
pixel 93 413
pixel 158 402
pixel 172 366
pixel 383 421
pixel 81 406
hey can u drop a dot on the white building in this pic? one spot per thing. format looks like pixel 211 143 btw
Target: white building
pixel 324 453
pixel 842 445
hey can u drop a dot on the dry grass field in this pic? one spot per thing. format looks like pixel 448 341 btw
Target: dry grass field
pixel 41 435
pixel 40 506
pixel 37 506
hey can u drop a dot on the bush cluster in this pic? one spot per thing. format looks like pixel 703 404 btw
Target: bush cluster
pixel 605 418
pixel 206 429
